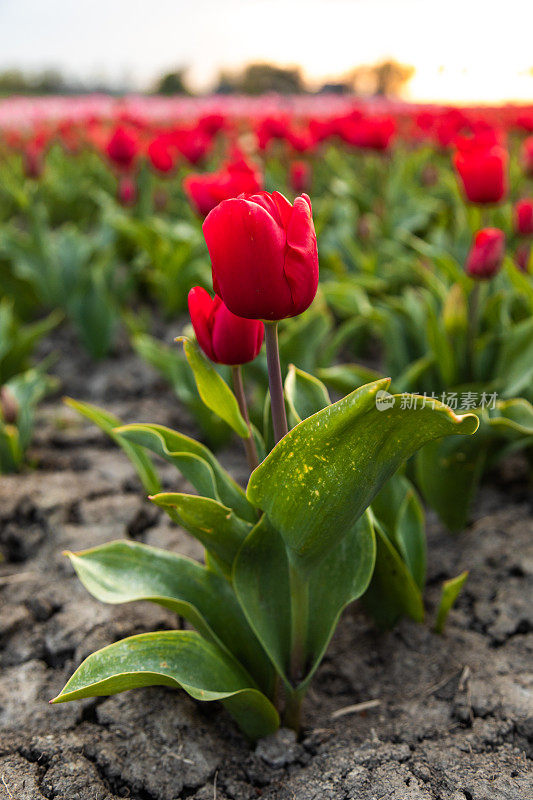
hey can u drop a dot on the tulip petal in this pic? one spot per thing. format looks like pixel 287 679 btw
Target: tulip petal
pixel 200 309
pixel 301 258
pixel 247 249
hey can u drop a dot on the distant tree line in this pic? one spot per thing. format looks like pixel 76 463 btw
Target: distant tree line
pixel 386 78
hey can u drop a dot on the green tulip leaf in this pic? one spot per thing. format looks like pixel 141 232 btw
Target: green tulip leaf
pixel 342 577
pixel 108 423
pixel 305 395
pixel 125 572
pixel 323 474
pixel 511 418
pixel 514 370
pixel 216 526
pixel 180 659
pixel 448 472
pixel 450 592
pixel 400 513
pixel 261 582
pixel 393 592
pixel 213 389
pixel 195 461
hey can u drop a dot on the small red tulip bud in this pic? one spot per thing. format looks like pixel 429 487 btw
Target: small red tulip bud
pixel 486 254
pixel 522 257
pixel 127 190
pixel 300 177
pixel 523 217
pixel 224 337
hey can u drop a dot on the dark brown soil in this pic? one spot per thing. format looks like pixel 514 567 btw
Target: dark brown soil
pixel 455 713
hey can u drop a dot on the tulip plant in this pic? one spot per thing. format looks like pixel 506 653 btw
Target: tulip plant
pixel 466 338
pixel 285 556
pixel 22 386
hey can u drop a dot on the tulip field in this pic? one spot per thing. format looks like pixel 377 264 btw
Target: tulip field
pixel 266 381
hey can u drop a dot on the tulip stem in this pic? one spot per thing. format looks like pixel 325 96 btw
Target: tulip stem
pixel 249 443
pixel 472 330
pixel 277 400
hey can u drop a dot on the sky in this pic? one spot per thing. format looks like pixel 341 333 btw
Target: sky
pixel 462 50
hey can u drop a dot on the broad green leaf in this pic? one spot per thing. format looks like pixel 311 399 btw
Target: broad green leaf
pixel 216 526
pixel 195 461
pixel 324 473
pixel 450 592
pixel 305 394
pixel 213 389
pixel 180 659
pixel 261 582
pixel 342 577
pixel 108 423
pixel 393 592
pixel 124 572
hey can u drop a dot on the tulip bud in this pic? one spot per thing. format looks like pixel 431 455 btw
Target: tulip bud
pixel 482 166
pixel 122 148
pixel 9 407
pixel 264 255
pixel 522 257
pixel 455 313
pixel 486 254
pixel 224 337
pixel 160 154
pixel 300 176
pixel 127 191
pixel 523 217
pixel 527 156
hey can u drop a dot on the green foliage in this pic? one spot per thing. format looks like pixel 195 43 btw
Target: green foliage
pixel 451 590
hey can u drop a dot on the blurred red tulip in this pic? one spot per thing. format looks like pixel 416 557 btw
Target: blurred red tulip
pixel 127 190
pixel 123 148
pixel 486 254
pixel 237 177
pixel 523 217
pixel 300 176
pixel 482 166
pixel 160 153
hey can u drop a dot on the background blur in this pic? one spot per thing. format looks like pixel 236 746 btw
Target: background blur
pixel 421 50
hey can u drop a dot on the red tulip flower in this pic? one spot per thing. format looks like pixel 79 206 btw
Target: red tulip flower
pixel 161 155
pixel 224 337
pixel 264 255
pixel 237 177
pixel 481 163
pixel 527 155
pixel 523 217
pixel 486 254
pixel 123 148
